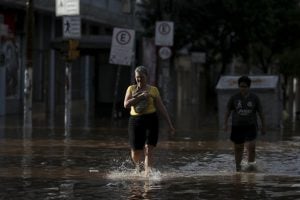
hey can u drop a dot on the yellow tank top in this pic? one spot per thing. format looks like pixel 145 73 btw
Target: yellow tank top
pixel 151 100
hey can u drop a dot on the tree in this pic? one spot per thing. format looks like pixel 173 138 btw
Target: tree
pixel 258 31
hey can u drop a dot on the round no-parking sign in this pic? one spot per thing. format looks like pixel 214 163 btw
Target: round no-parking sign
pixel 165 53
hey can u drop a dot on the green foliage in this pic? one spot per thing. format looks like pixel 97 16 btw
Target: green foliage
pixel 260 31
pixel 290 63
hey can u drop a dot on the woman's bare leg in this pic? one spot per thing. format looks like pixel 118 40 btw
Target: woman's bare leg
pixel 148 158
pixel 136 156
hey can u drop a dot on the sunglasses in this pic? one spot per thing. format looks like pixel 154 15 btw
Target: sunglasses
pixel 243 86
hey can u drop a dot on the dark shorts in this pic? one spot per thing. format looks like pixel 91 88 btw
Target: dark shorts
pixel 242 134
pixel 143 130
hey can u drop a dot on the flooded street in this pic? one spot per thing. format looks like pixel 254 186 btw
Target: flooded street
pixel 91 161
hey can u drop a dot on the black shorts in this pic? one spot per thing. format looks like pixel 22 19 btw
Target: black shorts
pixel 243 133
pixel 143 130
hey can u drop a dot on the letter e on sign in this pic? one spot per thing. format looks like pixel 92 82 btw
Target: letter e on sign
pixel 123 37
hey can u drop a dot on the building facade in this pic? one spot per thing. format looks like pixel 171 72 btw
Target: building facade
pixel 93 78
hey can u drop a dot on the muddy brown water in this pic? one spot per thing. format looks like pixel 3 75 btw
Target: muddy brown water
pixel 92 162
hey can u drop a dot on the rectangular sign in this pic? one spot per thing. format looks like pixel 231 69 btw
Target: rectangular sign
pixel 164 33
pixel 71 27
pixel 121 51
pixel 67 7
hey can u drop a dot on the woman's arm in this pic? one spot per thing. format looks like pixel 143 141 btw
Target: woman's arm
pixel 131 100
pixel 162 109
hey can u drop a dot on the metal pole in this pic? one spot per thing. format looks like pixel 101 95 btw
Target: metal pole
pixel 87 95
pixel 29 65
pixel 68 95
pixel 165 76
pixel 114 113
pixel 132 67
pixel 52 76
pixel 2 84
pixel 164 64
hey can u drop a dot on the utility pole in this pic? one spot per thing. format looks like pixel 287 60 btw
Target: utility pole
pixel 29 64
pixel 164 33
pixel 70 11
pixel 72 53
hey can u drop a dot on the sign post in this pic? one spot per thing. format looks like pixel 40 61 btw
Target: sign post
pixel 164 36
pixel 3 32
pixel 29 65
pixel 70 10
pixel 2 84
pixel 121 53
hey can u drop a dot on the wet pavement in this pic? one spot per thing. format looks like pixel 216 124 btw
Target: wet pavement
pixel 91 160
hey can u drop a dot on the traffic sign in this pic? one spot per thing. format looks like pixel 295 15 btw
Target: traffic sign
pixel 121 51
pixel 67 7
pixel 165 53
pixel 164 33
pixel 71 27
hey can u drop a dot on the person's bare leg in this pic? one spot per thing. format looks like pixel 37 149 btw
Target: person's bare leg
pixel 148 158
pixel 238 152
pixel 136 156
pixel 251 151
pixel 251 155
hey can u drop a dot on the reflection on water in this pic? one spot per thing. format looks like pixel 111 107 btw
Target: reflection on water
pixel 46 162
pixel 27 153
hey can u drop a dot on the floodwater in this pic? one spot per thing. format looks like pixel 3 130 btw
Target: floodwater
pixel 91 161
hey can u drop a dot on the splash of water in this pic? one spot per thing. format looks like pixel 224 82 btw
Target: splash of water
pixel 125 171
pixel 129 174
